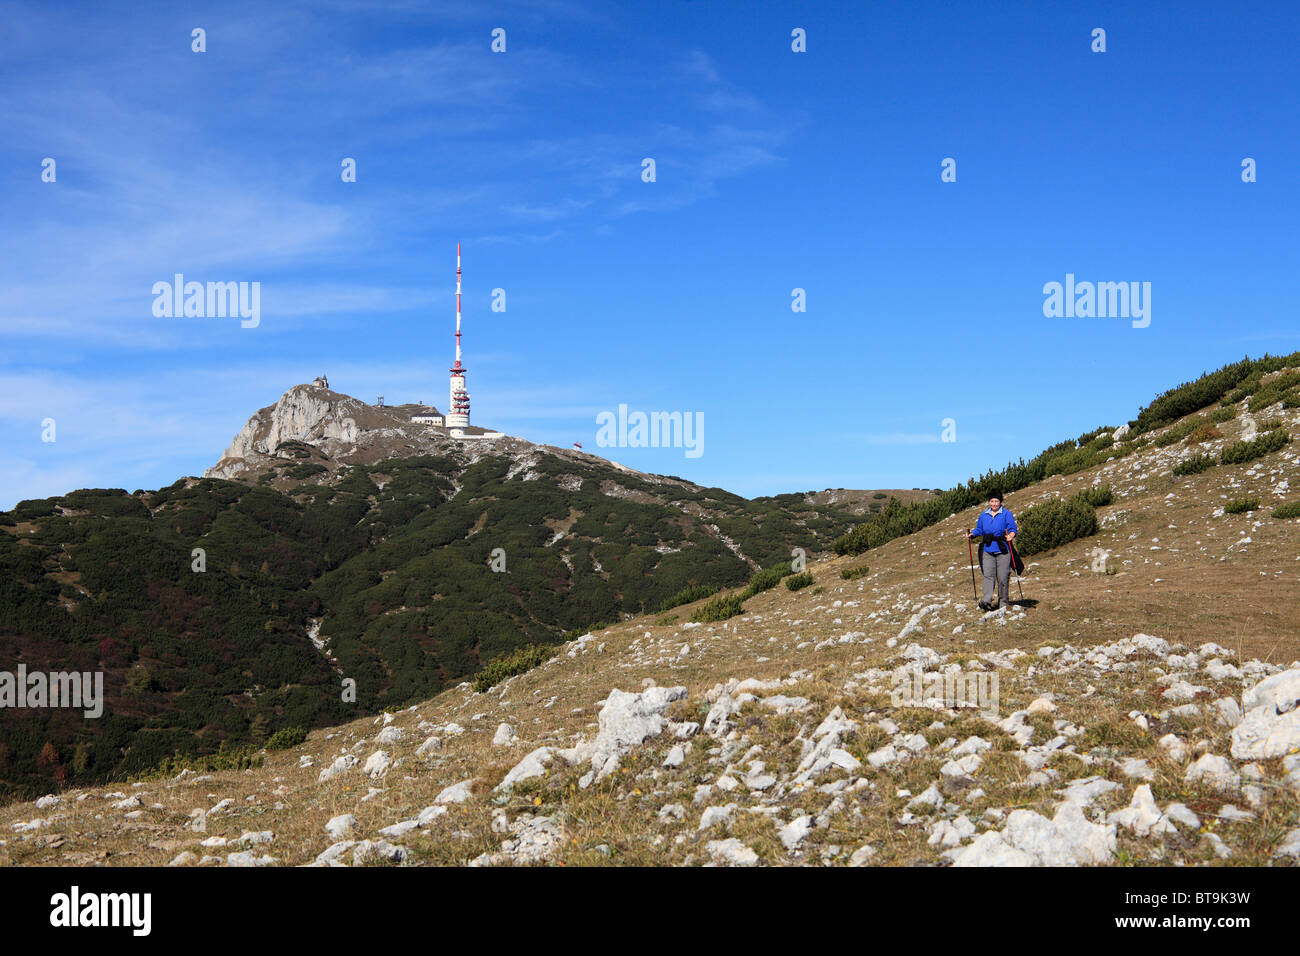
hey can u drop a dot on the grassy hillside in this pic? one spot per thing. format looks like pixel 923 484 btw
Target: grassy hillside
pixel 389 565
pixel 1101 716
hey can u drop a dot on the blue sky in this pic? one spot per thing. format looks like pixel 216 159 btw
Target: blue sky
pixel 776 170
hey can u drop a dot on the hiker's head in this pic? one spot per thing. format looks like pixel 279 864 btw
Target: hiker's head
pixel 995 501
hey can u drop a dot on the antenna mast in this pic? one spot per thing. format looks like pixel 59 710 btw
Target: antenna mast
pixel 458 412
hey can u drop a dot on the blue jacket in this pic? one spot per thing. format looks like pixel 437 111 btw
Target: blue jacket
pixel 998 525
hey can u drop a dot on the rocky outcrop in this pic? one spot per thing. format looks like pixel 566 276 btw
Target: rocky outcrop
pixel 627 721
pixel 1271 725
pixel 338 425
pixel 1030 839
pixel 305 413
pixel 313 423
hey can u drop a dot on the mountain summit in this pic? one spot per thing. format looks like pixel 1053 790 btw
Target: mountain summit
pixel 315 423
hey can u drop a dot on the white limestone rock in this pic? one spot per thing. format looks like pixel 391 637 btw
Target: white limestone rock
pixel 1018 727
pixel 456 793
pixel 628 720
pixel 883 757
pixel 1180 692
pixel 305 413
pixel 961 768
pixel 377 764
pixel 368 851
pixel 431 813
pixel 1270 726
pixel 1227 711
pixel 340 765
pixel 930 797
pixel 1140 815
pixel 715 815
pixel 783 704
pixel 731 852
pixel 950 833
pixel 971 745
pixel 504 736
pixel 1028 839
pixel 716 723
pixel 1177 813
pixel 1214 771
pixel 817 753
pixel 916 743
pixel 535 839
pixel 331 854
pixel 793 833
pixel 533 765
pixel 1174 747
pixel 1085 790
pixel 862 855
pixel 1221 849
pixel 340 826
pixel 672 813
pixel 1234 814
pixel 1290 846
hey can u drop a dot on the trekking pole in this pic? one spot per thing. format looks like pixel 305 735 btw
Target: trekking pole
pixel 970 551
pixel 1013 568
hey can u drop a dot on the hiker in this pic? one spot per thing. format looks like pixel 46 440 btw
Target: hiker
pixel 996 526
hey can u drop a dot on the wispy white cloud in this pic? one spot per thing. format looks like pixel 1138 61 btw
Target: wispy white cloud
pixel 709 88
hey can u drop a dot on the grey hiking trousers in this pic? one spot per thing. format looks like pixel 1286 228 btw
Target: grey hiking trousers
pixel 999 564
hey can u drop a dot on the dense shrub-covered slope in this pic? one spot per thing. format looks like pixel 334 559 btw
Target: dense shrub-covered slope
pixel 392 560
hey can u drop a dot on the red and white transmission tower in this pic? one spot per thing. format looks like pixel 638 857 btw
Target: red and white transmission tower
pixel 458 409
